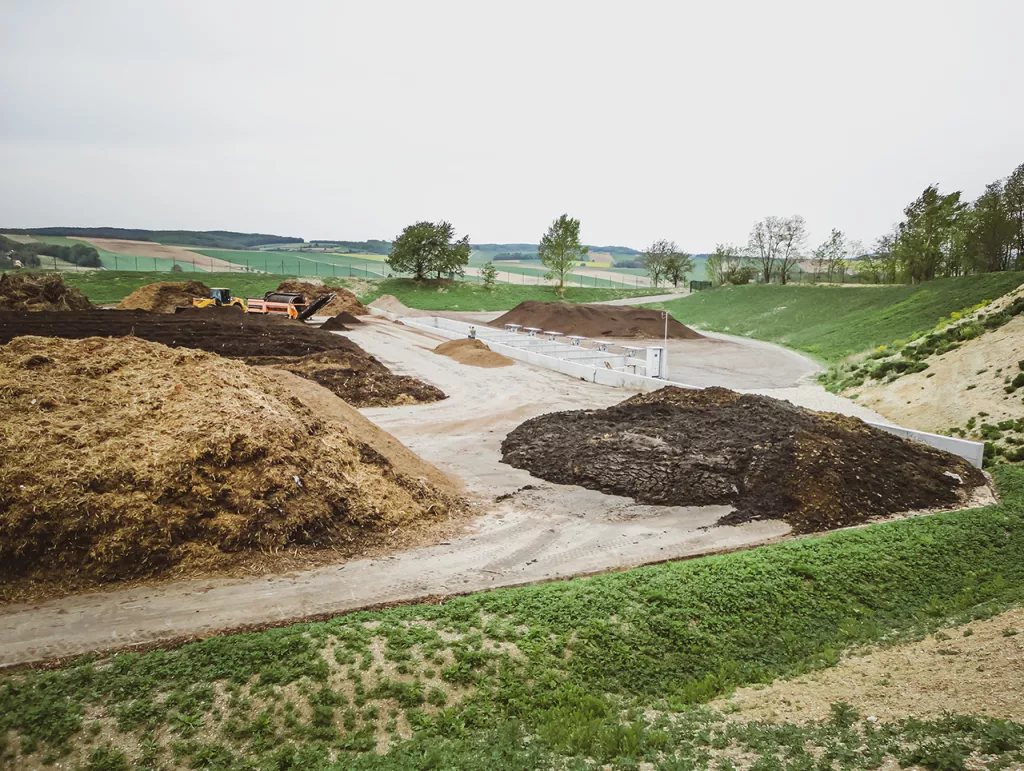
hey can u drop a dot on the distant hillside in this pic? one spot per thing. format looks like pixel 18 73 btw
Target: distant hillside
pixel 213 239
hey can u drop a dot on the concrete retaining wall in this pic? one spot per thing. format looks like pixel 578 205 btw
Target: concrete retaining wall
pixel 973 452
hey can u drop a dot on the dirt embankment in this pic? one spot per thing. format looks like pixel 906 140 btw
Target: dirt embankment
pixel 123 459
pixel 39 292
pixel 164 296
pixel 343 302
pixel 592 320
pixel 474 353
pixel 391 304
pixel 331 360
pixel 765 457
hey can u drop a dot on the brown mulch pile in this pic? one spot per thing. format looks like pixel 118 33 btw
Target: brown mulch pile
pixel 39 292
pixel 591 320
pixel 474 353
pixel 164 296
pixel 341 322
pixel 355 376
pixel 122 458
pixel 344 302
pixel 765 457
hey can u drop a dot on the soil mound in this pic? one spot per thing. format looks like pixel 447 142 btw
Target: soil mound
pixel 164 296
pixel 591 320
pixel 122 458
pixel 391 304
pixel 474 353
pixel 45 292
pixel 344 301
pixel 356 376
pixel 765 457
pixel 341 322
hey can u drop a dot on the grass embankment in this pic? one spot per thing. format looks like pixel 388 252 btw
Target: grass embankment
pixel 462 296
pixel 832 323
pixel 600 670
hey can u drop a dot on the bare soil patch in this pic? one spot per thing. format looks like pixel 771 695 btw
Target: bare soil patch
pixel 164 296
pixel 981 673
pixel 765 457
pixel 594 320
pixel 343 302
pixel 474 353
pixel 391 304
pixel 348 371
pixel 39 292
pixel 123 458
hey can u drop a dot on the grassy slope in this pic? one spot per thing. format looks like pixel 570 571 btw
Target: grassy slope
pixel 834 322
pixel 588 658
pixel 472 297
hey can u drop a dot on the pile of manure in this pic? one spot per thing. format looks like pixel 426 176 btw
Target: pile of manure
pixel 592 320
pixel 39 292
pixel 765 457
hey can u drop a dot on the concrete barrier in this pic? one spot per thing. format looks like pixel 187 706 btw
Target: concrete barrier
pixel 607 374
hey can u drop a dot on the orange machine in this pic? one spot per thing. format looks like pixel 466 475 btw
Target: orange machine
pixel 291 304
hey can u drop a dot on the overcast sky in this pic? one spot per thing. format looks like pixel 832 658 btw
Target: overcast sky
pixel 334 119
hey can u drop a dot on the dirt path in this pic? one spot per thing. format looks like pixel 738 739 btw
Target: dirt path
pixel 978 674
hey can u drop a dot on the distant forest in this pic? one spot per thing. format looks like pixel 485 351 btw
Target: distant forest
pixel 210 239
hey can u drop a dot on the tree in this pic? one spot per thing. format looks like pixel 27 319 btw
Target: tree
pixel 828 257
pixel 489 274
pixel 1013 193
pixel 775 244
pixel 426 247
pixel 656 258
pixel 724 260
pixel 923 245
pixel 560 249
pixel 677 266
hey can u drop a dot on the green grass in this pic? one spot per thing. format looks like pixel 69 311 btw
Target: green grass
pixel 608 669
pixel 463 296
pixel 834 322
pixel 326 265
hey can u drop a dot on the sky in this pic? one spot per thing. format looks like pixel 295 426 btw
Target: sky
pixel 645 120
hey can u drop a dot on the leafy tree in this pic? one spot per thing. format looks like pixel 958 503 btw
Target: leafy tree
pixel 829 256
pixel 677 266
pixel 426 247
pixel 489 275
pixel 925 236
pixel 560 249
pixel 1013 193
pixel 656 259
pixel 720 262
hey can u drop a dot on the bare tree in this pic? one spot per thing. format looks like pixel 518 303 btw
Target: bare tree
pixel 775 246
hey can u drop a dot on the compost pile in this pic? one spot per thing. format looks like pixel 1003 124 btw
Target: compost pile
pixel 474 353
pixel 354 375
pixel 590 320
pixel 344 301
pixel 164 296
pixel 39 292
pixel 122 458
pixel 341 322
pixel 765 457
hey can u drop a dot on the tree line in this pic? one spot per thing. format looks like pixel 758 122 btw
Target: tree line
pixel 29 254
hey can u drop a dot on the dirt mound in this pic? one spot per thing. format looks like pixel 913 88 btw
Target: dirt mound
pixel 765 457
pixel 45 292
pixel 344 302
pixel 474 353
pixel 391 304
pixel 122 458
pixel 359 378
pixel 341 322
pixel 592 320
pixel 164 296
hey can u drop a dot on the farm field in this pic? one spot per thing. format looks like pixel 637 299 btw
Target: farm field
pixel 832 323
pixel 116 260
pixel 325 264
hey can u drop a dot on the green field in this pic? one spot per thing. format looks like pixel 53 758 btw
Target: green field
pixel 834 322
pixel 573 674
pixel 110 260
pixel 323 264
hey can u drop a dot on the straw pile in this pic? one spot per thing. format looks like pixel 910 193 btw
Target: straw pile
pixel 39 292
pixel 474 353
pixel 122 458
pixel 765 457
pixel 344 301
pixel 164 296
